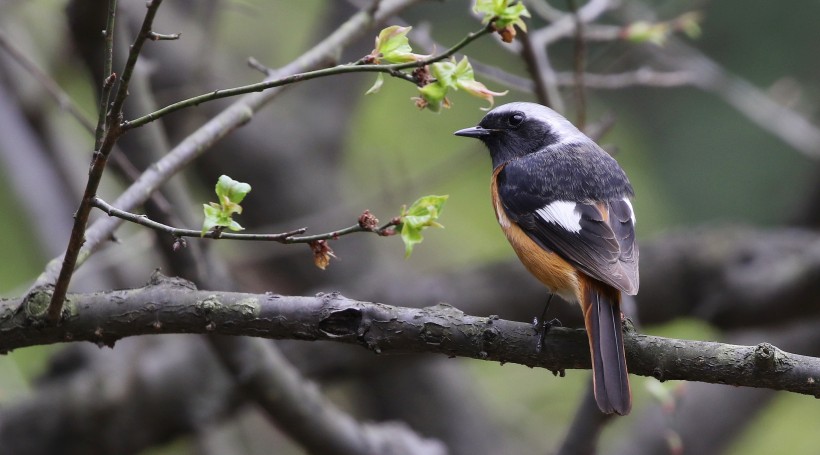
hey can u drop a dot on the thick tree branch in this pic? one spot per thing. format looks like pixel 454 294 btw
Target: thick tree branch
pixel 175 306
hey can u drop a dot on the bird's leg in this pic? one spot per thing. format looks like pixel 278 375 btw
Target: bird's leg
pixel 543 326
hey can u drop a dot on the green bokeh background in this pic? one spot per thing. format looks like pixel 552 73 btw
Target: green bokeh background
pixel 692 159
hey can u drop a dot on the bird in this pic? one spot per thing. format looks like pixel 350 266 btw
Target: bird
pixel 565 206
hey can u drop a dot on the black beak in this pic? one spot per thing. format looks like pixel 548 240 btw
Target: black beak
pixel 476 132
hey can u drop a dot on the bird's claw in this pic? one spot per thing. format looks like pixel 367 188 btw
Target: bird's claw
pixel 542 329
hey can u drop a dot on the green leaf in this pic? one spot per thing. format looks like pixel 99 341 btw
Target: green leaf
pixel 503 14
pixel 392 46
pixel 232 190
pixel 643 32
pixel 465 79
pixel 445 73
pixel 376 86
pixel 451 75
pixel 230 193
pixel 479 90
pixel 421 215
pixel 434 96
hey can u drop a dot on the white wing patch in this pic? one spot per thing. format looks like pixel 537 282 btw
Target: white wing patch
pixel 631 211
pixel 562 213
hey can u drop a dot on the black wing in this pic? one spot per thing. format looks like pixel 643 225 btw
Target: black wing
pixel 597 235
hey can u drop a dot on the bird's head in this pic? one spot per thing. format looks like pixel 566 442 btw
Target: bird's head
pixel 516 129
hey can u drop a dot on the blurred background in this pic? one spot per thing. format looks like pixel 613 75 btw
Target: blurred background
pixel 718 133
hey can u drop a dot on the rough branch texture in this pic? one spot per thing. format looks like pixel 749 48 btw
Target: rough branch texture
pixel 168 305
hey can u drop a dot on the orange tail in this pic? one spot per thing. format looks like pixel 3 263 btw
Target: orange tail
pixel 602 314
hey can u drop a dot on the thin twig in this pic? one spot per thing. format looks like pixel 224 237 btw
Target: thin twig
pixel 394 70
pixel 257 65
pixel 780 121
pixel 641 77
pixel 154 36
pixel 566 25
pixel 579 54
pixel 535 59
pixel 112 133
pixel 282 237
pixel 109 77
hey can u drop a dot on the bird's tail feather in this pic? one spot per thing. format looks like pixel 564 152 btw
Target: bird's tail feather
pixel 602 315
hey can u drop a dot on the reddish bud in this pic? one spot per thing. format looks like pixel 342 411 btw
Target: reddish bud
pixel 368 221
pixel 507 34
pixel 422 76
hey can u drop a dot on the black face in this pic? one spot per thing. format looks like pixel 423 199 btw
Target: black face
pixel 511 134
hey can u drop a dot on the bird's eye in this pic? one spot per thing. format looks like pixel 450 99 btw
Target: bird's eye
pixel 515 119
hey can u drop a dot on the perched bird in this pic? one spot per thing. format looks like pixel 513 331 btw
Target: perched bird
pixel 564 205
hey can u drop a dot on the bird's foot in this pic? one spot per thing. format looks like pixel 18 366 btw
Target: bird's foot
pixel 542 328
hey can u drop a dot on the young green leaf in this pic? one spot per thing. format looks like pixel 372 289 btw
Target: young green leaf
pixel 445 73
pixel 421 215
pixel 230 193
pixel 505 16
pixel 376 85
pixel 658 33
pixel 465 79
pixel 647 32
pixel 433 97
pixel 392 46
pixel 451 75
pixel 479 90
pixel 231 190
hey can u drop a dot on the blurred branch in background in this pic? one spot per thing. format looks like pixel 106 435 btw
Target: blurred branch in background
pixel 315 423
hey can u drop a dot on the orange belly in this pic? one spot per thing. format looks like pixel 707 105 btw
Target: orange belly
pixel 552 270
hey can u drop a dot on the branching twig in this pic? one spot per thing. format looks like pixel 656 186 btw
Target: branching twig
pixel 543 84
pixel 100 157
pixel 536 55
pixel 566 25
pixel 109 77
pixel 283 237
pixel 579 63
pixel 646 77
pixel 394 70
pixel 175 306
pixel 154 36
pixel 237 114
